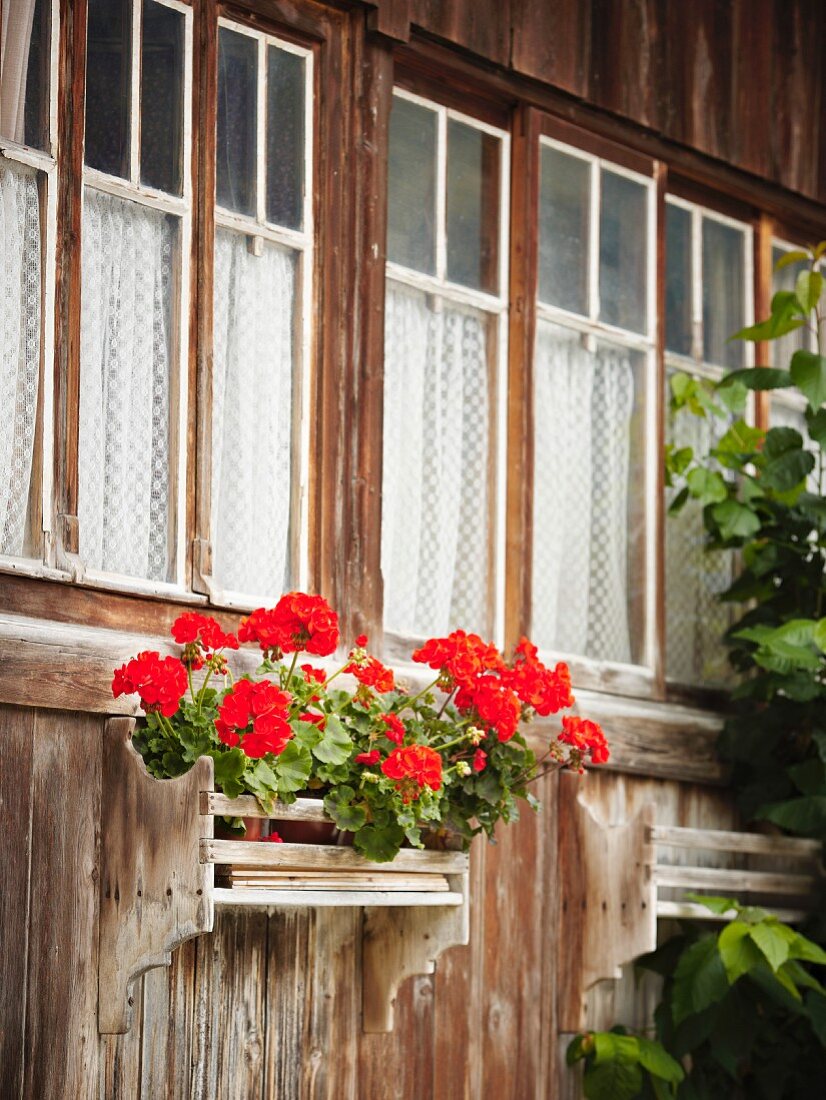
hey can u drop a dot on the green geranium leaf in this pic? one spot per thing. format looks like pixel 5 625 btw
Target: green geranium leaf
pixel 229 766
pixel 335 745
pixel 819 635
pixel 578 1047
pixel 803 949
pixel 706 485
pixel 699 980
pixel 612 1081
pixel 715 904
pixel 772 942
pixel 816 422
pixel 757 378
pixel 738 952
pixel 786 316
pixel 379 843
pixel 808 372
pixel 659 1062
pixel 805 815
pixel 293 767
pixel 796 256
pixel 735 520
pixel 678 503
pixel 808 289
pixel 788 470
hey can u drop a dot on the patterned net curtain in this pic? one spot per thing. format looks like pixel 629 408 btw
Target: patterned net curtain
pixel 252 414
pixel 584 402
pixel 124 449
pixel 19 346
pixel 436 445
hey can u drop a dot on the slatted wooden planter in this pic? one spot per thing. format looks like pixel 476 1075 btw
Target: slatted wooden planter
pixel 158 883
pixel 617 880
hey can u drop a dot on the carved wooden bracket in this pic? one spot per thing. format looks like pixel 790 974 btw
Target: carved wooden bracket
pixel 154 892
pixel 607 896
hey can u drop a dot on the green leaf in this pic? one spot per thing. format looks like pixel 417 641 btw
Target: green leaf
pixel 338 805
pixel 773 943
pixel 612 1081
pixel 800 815
pixel 578 1047
pixel 611 1047
pixel 335 744
pixel 678 502
pixel 715 904
pixel 816 1005
pixel 785 317
pixel 816 422
pixel 809 776
pixel 706 485
pixel 740 440
pixel 780 440
pixel 659 1062
pixel 229 767
pixel 801 977
pixel 292 767
pixel 788 470
pixel 803 949
pixel 379 843
pixel 735 520
pixel 738 952
pixel 796 256
pixel 757 378
pixel 808 372
pixel 808 289
pixel 699 980
pixel 819 635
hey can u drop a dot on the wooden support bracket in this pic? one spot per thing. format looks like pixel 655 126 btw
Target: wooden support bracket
pixel 400 942
pixel 608 897
pixel 154 892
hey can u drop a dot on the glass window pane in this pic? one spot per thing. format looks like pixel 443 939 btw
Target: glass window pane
pixel 724 280
pixel 255 354
pixel 564 204
pixel 436 510
pixel 108 86
pixel 588 513
pixel 127 457
pixel 237 107
pixel 411 187
pixel 801 339
pixel 623 252
pixel 695 620
pixel 473 170
pixel 162 117
pixel 25 73
pixel 20 284
pixel 285 138
pixel 678 280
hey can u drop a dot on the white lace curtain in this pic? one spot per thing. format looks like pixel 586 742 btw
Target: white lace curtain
pixel 252 408
pixel 18 16
pixel 19 348
pixel 124 448
pixel 582 438
pixel 695 620
pixel 435 506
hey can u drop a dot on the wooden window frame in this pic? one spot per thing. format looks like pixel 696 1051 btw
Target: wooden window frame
pixel 397 645
pixel 44 163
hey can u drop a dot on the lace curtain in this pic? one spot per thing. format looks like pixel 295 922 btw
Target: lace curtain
pixel 20 346
pixel 252 409
pixel 124 447
pixel 435 503
pixel 18 16
pixel 695 620
pixel 582 436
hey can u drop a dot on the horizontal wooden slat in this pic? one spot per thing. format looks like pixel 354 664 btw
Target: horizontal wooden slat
pixel 303 809
pixel 321 857
pixel 690 910
pixel 330 880
pixel 267 898
pixel 735 881
pixel 719 840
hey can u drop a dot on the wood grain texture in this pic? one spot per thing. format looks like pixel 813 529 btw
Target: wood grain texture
pixel 154 891
pixel 166 1027
pixel 16 762
pixel 61 1016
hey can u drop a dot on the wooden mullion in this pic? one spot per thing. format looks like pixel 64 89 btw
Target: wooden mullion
pixel 656 590
pixel 70 139
pixel 763 234
pixel 199 427
pixel 524 246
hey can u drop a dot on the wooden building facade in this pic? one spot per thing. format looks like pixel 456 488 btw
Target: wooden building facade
pixel 380 300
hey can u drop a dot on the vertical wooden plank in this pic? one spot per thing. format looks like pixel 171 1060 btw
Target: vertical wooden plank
pixel 230 1008
pixel 548 867
pixel 61 1020
pixel 120 1055
pixel 483 28
pixel 333 1010
pixel 552 42
pixel 288 984
pixel 400 1064
pixel 167 1027
pixel 16 758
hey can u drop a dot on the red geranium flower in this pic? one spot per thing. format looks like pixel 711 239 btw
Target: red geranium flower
pixel 192 626
pixel 263 707
pixel 368 758
pixel 159 681
pixel 373 674
pixel 297 623
pixel 546 690
pixel 413 768
pixel 460 657
pixel 497 706
pixel 480 759
pixel 586 737
pixel 273 837
pixel 313 675
pixel 395 727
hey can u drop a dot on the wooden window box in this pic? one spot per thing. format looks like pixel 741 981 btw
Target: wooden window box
pixel 158 883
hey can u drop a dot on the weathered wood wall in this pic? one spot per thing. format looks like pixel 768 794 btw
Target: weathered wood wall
pixel 269 1004
pixel 739 80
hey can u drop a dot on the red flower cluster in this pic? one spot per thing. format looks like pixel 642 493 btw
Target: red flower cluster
pixel 297 623
pixel 461 657
pixel 368 758
pixel 496 705
pixel 373 674
pixel 193 627
pixel 395 727
pixel 413 768
pixel 262 706
pixel 586 737
pixel 313 675
pixel 160 682
pixel 480 760
pixel 546 690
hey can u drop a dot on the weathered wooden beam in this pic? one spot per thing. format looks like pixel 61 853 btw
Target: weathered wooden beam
pixel 154 892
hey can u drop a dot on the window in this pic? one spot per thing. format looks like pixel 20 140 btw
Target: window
pixel 136 230
pixel 445 331
pixel 261 312
pixel 708 281
pixel 27 240
pixel 593 379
